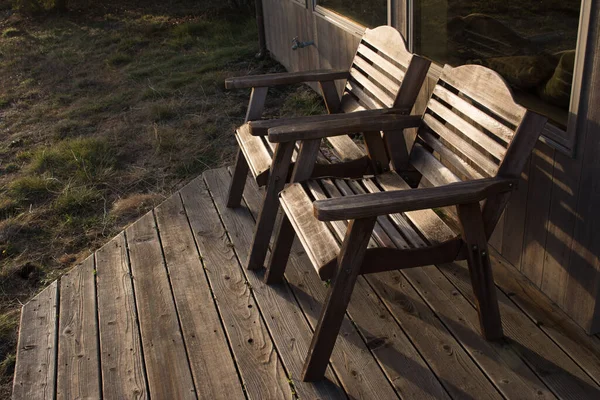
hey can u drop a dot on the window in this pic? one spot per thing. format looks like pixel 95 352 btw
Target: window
pixel 531 43
pixel 369 13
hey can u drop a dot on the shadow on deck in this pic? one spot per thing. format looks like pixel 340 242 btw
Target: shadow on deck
pixel 166 310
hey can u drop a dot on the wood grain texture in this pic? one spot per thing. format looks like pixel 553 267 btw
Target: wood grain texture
pixel 554 367
pixel 214 372
pixel 78 352
pixel 287 326
pixel 123 372
pixel 536 218
pixel 502 365
pixel 358 372
pixel 583 348
pixel 349 262
pixel 255 353
pixel 35 370
pixel 284 78
pixel 165 357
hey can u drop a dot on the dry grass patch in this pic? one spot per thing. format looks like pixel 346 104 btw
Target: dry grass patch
pixel 105 112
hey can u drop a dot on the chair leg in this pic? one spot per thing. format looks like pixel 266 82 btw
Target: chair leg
pixel 284 238
pixel 480 271
pixel 238 181
pixel 268 213
pixel 349 264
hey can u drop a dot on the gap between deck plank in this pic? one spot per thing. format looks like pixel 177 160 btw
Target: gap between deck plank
pixel 581 347
pixel 558 371
pixel 78 353
pixel 35 371
pixel 122 366
pixel 166 362
pixel 355 367
pixel 257 360
pixel 501 366
pixel 214 372
pixel 402 363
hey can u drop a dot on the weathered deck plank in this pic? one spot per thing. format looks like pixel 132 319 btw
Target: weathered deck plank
pixel 162 341
pixel 558 371
pixel 122 366
pixel 412 333
pixel 260 367
pixel 359 373
pixel 401 362
pixel 35 371
pixel 583 348
pixel 290 331
pixel 214 372
pixel 78 357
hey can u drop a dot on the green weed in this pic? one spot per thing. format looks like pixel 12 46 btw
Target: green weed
pixel 119 59
pixel 88 160
pixel 77 200
pixel 33 189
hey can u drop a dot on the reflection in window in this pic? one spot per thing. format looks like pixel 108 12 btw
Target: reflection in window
pixel 531 43
pixel 369 13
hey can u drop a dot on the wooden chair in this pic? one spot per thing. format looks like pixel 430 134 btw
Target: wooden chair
pixel 384 79
pixel 484 138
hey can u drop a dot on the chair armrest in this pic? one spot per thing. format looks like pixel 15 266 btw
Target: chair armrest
pixel 336 127
pixel 285 78
pixel 261 127
pixel 398 201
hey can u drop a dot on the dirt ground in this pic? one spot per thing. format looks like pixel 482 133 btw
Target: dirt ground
pixel 105 111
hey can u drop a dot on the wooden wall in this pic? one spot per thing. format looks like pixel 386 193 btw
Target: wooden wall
pixel 551 228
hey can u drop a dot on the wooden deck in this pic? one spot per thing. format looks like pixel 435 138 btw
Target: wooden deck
pixel 165 310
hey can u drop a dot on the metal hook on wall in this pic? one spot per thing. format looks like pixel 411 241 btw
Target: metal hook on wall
pixel 297 44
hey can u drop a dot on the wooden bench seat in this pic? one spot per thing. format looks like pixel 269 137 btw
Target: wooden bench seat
pixel 471 144
pixel 322 240
pixel 258 152
pixel 383 77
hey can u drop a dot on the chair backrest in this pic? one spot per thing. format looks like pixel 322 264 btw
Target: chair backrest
pixel 383 74
pixel 474 126
pixel 379 71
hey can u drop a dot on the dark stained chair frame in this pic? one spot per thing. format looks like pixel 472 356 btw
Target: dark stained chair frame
pixel 474 126
pixel 382 84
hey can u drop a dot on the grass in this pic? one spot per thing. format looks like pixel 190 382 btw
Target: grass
pixel 104 112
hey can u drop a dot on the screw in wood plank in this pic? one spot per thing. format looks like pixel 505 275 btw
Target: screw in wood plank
pixel 475 247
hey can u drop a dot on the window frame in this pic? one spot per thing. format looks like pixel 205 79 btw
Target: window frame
pixel 562 140
pixel 346 22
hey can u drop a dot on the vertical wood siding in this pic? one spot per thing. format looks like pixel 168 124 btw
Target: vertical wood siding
pixel 551 228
